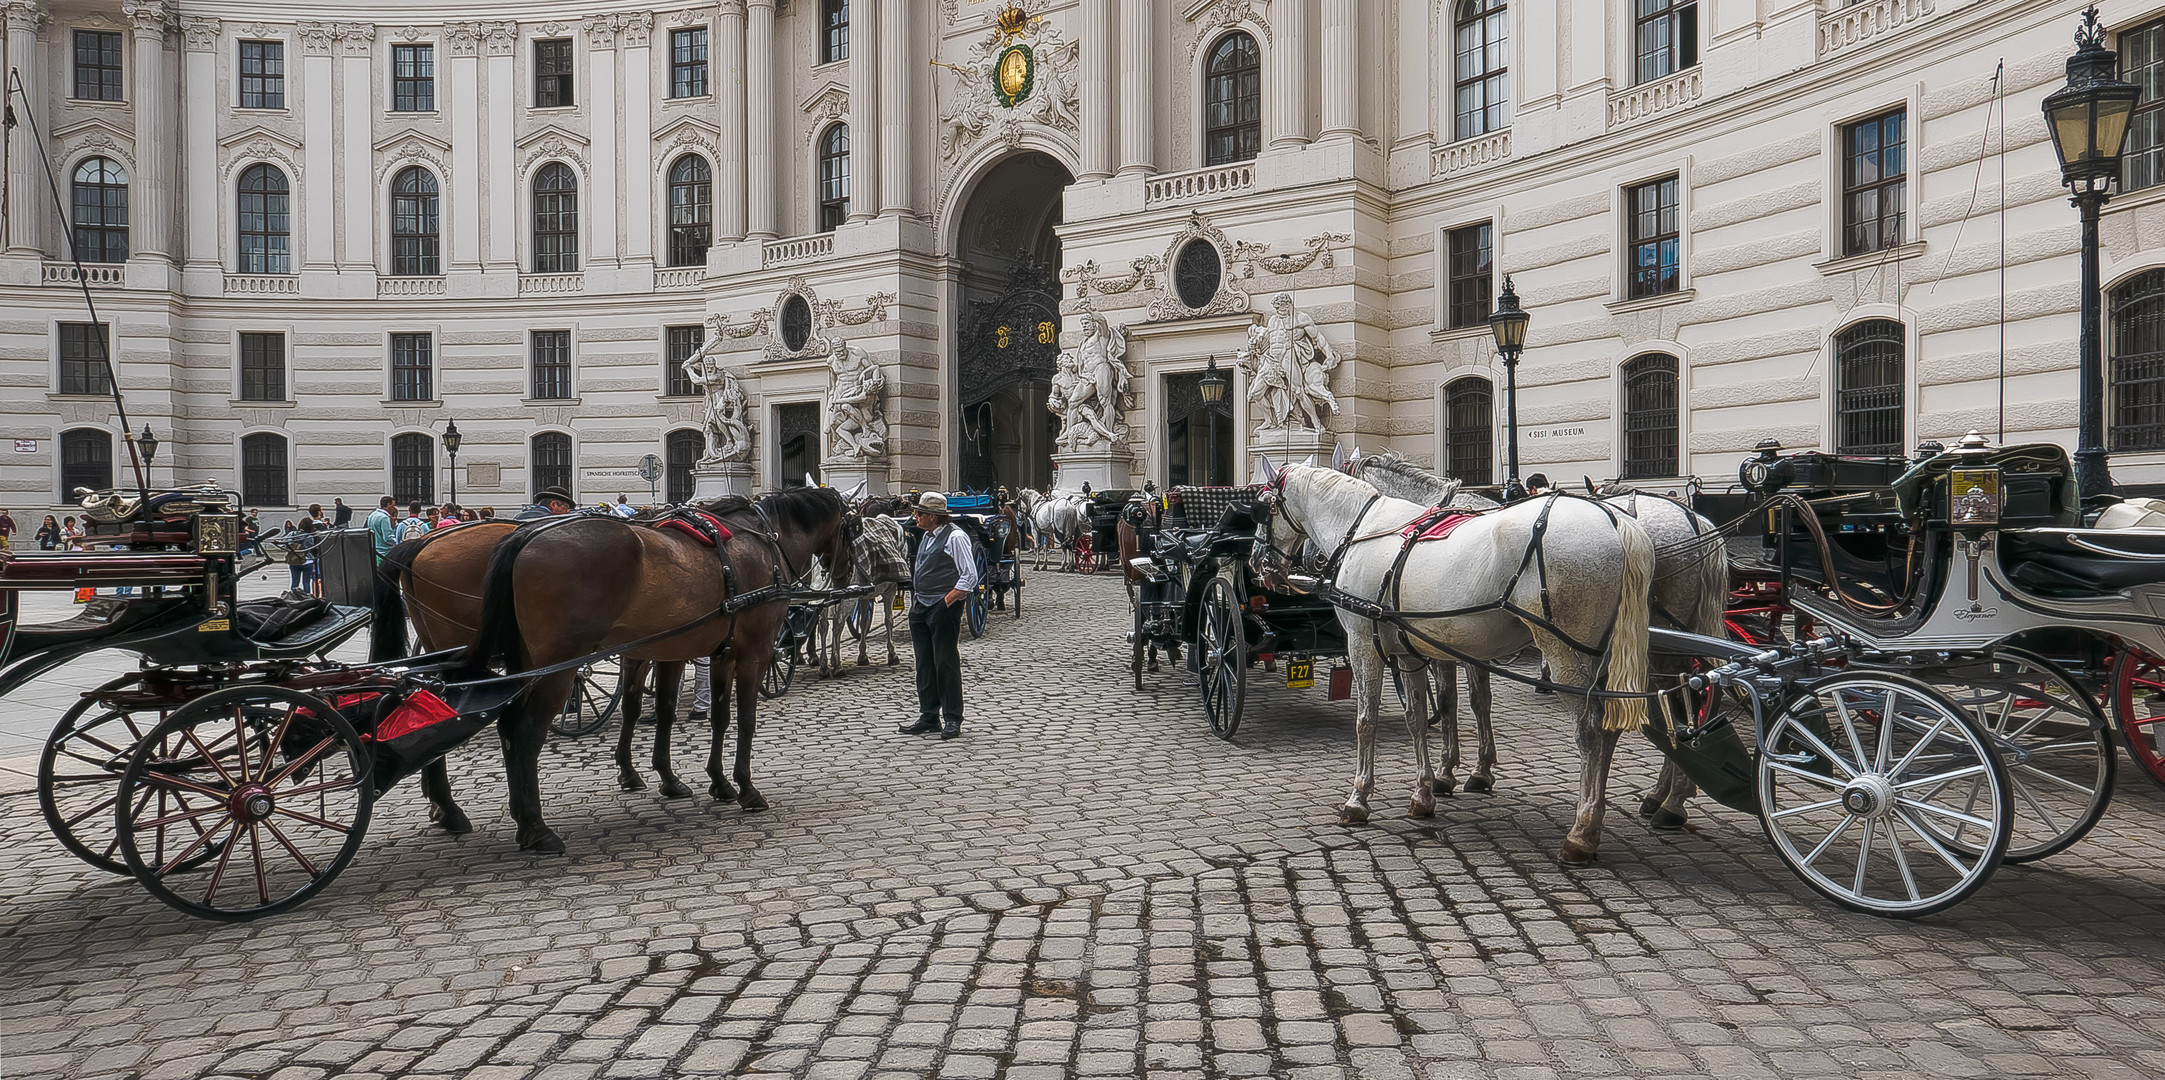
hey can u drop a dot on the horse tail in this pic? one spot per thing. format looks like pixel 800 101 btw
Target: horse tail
pixel 1627 635
pixel 387 622
pixel 498 635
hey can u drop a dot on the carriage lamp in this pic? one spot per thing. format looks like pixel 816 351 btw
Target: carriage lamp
pixel 149 443
pixel 451 447
pixel 1508 323
pixel 2088 119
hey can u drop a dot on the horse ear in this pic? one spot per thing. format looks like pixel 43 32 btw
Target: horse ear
pixel 857 492
pixel 1338 457
pixel 1589 482
pixel 1267 471
pixel 810 480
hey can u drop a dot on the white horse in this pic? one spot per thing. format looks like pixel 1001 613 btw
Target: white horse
pixel 1060 518
pixel 1581 598
pixel 1026 503
pixel 882 561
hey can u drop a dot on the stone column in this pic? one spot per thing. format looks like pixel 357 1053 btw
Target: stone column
pixel 28 199
pixel 199 85
pixel 1139 100
pixel 357 139
pixel 1288 87
pixel 598 204
pixel 635 142
pixel 898 113
pixel 150 190
pixel 502 243
pixel 759 115
pixel 1341 94
pixel 314 201
pixel 1097 90
pixel 733 171
pixel 460 97
pixel 864 186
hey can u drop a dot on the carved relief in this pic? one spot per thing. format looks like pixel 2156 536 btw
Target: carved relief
pixel 261 144
pixel 552 143
pixel 1317 249
pixel 462 39
pixel 199 34
pixel 413 148
pixel 316 37
pixel 149 17
pixel 501 37
pixel 601 30
pixel 1013 77
pixel 636 27
pixel 358 38
pixel 1143 272
pixel 1228 298
pixel 697 15
pixel 1223 15
pixel 24 17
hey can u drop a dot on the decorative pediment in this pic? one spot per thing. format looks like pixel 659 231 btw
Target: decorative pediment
pixel 689 132
pixel 1214 17
pixel 94 134
pixel 261 144
pixel 830 101
pixel 551 142
pixel 414 148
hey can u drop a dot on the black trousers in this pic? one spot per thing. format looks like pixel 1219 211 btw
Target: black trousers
pixel 934 639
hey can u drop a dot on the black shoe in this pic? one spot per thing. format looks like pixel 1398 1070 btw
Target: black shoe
pixel 696 716
pixel 950 730
pixel 922 727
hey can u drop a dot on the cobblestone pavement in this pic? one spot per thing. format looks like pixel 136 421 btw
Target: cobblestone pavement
pixel 1086 884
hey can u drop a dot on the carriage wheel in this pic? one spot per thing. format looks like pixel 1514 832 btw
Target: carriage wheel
pixel 595 695
pixel 2052 739
pixel 1224 662
pixel 1862 779
pixel 277 777
pixel 774 682
pixel 79 773
pixel 980 597
pixel 2138 705
pixel 1086 556
pixel 1014 587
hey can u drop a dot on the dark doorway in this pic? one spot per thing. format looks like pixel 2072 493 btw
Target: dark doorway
pixel 1008 324
pixel 1198 434
pixel 796 441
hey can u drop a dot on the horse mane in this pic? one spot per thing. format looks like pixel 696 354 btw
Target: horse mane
pixel 1442 489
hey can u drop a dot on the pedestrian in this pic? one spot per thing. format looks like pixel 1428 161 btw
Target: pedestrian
pixel 312 567
pixel 488 513
pixel 1537 484
pixel 343 515
pixel 296 559
pixel 71 535
pixel 382 532
pixel 449 517
pixel 7 529
pixel 942 578
pixel 548 502
pixel 251 531
pixel 623 507
pixel 415 524
pixel 49 534
pixel 315 520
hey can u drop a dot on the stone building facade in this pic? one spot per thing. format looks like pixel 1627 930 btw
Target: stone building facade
pixel 320 235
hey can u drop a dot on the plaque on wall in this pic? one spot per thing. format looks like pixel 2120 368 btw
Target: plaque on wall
pixel 482 475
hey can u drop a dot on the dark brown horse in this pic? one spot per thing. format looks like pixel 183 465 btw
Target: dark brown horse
pixel 558 591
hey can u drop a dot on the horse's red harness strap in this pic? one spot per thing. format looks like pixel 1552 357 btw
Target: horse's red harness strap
pixel 714 533
pixel 1436 524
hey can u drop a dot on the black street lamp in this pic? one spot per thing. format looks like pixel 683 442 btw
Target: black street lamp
pixel 2088 119
pixel 148 443
pixel 1508 323
pixel 1212 387
pixel 451 446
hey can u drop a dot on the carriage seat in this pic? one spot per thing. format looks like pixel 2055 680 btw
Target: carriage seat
pixel 2074 563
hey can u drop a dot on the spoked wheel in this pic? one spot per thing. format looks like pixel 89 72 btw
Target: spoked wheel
pixel 595 695
pixel 1224 659
pixel 79 772
pixel 1864 782
pixel 2052 739
pixel 780 671
pixel 978 601
pixel 2138 705
pixel 1086 558
pixel 277 780
pixel 1014 585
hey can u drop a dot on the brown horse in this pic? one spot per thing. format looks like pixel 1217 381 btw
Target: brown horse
pixel 566 589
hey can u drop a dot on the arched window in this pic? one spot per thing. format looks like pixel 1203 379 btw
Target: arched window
pixel 552 461
pixel 1651 432
pixel 1233 101
pixel 556 219
pixel 691 211
pixel 684 448
pixel 263 470
pixel 101 211
pixel 413 468
pixel 1480 68
pixel 833 177
pixel 416 242
pixel 2136 370
pixel 266 229
pixel 86 461
pixel 1869 369
pixel 1469 438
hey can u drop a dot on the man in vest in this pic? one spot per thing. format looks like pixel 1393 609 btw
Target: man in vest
pixel 941 580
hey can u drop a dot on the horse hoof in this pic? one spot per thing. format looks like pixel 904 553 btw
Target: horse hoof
pixel 451 820
pixel 1648 806
pixel 1479 785
pixel 751 801
pixel 674 788
pixel 722 792
pixel 1667 820
pixel 1422 806
pixel 1574 855
pixel 630 782
pixel 541 841
pixel 1352 815
pixel 1443 788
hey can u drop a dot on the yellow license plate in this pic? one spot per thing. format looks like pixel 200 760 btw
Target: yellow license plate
pixel 901 600
pixel 214 626
pixel 1300 674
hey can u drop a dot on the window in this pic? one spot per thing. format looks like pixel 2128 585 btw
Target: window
pixel 1233 101
pixel 1873 184
pixel 1480 72
pixel 413 468
pixel 688 62
pixel 833 31
pixel 263 367
pixel 413 368
pixel 101 211
pixel 1650 417
pixel 691 211
pixel 416 246
pixel 83 358
pixel 681 343
pixel 1655 267
pixel 682 453
pixel 263 471
pixel 86 461
pixel 1868 392
pixel 1198 273
pixel 556 219
pixel 1667 38
pixel 2135 371
pixel 263 74
pixel 552 461
pixel 552 74
pixel 97 65
pixel 1472 275
pixel 1469 439
pixel 834 177
pixel 413 78
pixel 552 364
pixel 2142 62
pixel 266 239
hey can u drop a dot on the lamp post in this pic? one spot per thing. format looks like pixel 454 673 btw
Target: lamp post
pixel 149 443
pixel 1508 323
pixel 451 446
pixel 1212 388
pixel 2088 119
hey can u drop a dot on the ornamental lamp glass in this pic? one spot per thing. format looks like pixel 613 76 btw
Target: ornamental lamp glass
pixel 1508 323
pixel 451 436
pixel 1213 383
pixel 149 443
pixel 2089 116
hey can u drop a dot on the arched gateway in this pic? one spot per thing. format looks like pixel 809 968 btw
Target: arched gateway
pixel 1007 323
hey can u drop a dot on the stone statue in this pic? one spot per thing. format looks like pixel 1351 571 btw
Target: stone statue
pixel 729 415
pixel 1289 367
pixel 1059 400
pixel 1096 396
pixel 856 409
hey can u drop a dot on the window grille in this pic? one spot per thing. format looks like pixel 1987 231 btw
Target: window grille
pixel 1874 183
pixel 266 237
pixel 552 364
pixel 1470 431
pixel 263 367
pixel 86 461
pixel 2136 370
pixel 556 219
pixel 834 178
pixel 98 65
pixel 263 74
pixel 683 343
pixel 688 62
pixel 833 31
pixel 1233 101
pixel 1656 253
pixel 413 363
pixel 83 355
pixel 552 461
pixel 684 449
pixel 553 74
pixel 1666 38
pixel 1472 275
pixel 263 471
pixel 413 469
pixel 416 236
pixel 691 211
pixel 1651 435
pixel 1869 367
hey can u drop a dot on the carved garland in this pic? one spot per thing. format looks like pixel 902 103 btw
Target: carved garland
pixel 1228 299
pixel 412 151
pixel 1142 272
pixel 558 147
pixel 1317 249
pixel 262 149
